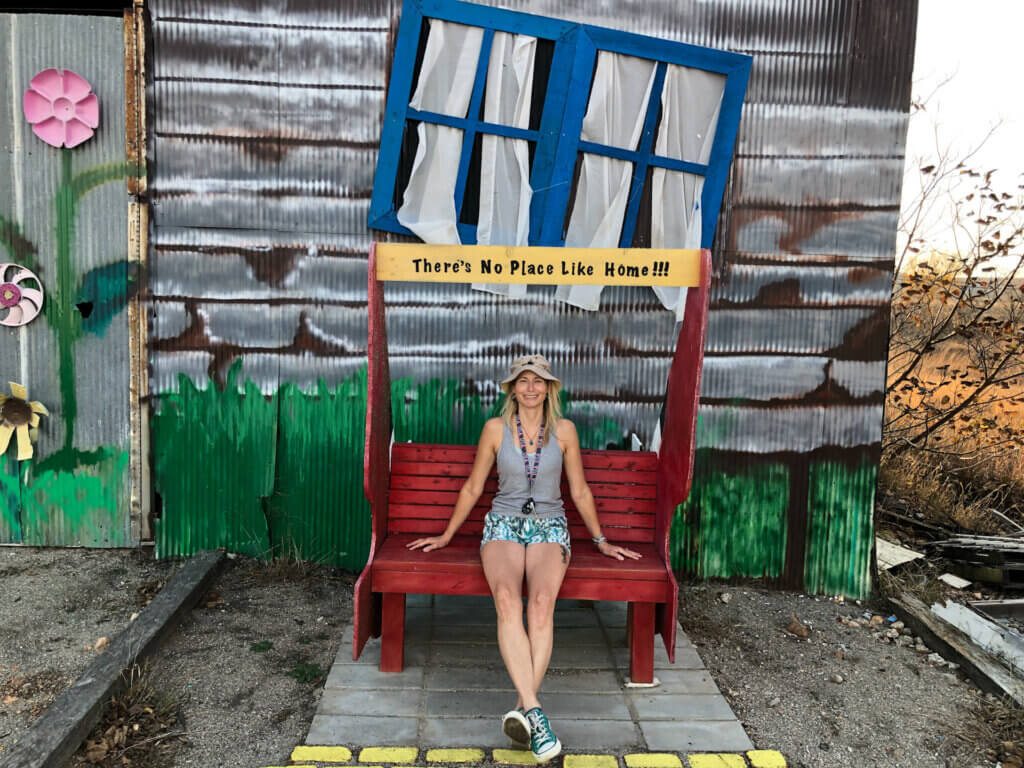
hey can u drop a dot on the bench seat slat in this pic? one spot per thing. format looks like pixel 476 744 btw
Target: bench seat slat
pixel 440 513
pixel 642 461
pixel 475 528
pixel 419 482
pixel 473 583
pixel 448 498
pixel 463 555
pixel 453 469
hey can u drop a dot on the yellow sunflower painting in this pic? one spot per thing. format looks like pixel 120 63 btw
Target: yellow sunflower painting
pixel 19 416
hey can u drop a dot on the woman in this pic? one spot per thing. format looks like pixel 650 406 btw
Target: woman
pixel 526 534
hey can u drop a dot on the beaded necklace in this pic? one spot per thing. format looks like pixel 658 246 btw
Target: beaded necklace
pixel 531 472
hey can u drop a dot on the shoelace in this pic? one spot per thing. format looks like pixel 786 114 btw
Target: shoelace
pixel 539 727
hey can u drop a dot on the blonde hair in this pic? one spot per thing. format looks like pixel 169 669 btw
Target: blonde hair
pixel 552 408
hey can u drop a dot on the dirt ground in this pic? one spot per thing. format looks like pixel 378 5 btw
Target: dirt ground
pixel 235 684
pixel 238 681
pixel 840 696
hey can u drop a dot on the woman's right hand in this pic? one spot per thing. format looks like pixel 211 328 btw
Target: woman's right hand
pixel 429 543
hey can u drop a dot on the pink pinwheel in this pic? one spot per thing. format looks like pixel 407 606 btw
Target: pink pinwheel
pixel 61 107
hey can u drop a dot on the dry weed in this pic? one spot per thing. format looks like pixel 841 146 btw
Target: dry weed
pixel 992 724
pixel 919 578
pixel 139 727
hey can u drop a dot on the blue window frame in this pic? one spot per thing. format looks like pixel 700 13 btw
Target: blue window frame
pixel 557 141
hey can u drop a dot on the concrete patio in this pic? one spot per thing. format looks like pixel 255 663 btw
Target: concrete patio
pixel 454 687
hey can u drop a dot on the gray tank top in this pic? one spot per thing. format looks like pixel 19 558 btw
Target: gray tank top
pixel 514 488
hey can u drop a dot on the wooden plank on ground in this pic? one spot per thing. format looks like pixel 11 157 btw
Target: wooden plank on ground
pixel 983 668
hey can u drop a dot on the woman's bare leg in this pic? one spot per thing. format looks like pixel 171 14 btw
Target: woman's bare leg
pixel 545 569
pixel 504 566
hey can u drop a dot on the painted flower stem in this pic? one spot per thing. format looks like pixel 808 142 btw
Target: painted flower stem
pixel 65 320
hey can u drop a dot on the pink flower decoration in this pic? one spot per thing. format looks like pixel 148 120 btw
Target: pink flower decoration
pixel 61 107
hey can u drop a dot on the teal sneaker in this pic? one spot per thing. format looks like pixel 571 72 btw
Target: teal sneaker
pixel 514 725
pixel 543 742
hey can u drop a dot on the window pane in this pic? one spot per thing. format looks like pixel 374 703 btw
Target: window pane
pixel 689 113
pixel 618 100
pixel 445 83
pixel 600 200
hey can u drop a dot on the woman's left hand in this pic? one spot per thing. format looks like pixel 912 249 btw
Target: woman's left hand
pixel 619 553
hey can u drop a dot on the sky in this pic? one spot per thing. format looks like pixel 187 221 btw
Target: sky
pixel 966 69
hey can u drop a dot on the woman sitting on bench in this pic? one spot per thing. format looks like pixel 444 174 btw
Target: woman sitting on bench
pixel 526 533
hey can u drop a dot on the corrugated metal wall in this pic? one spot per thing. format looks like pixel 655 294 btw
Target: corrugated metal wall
pixel 264 126
pixel 63 213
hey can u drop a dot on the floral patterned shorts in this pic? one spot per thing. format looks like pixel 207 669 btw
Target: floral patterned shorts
pixel 527 530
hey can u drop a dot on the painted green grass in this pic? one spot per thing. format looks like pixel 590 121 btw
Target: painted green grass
pixel 283 475
pixel 50 505
pixel 733 524
pixel 840 528
pixel 214 453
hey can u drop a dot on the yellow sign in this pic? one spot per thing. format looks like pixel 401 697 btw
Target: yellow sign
pixel 414 262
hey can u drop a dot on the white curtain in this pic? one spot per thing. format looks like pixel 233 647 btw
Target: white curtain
pixel 615 116
pixel 690 103
pixel 505 191
pixel 445 85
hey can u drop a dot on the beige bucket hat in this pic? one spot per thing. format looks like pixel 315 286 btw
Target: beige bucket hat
pixel 536 363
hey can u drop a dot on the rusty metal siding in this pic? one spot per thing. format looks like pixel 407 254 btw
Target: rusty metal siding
pixel 263 147
pixel 76 491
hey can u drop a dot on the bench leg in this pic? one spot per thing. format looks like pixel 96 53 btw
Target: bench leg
pixel 641 643
pixel 392 640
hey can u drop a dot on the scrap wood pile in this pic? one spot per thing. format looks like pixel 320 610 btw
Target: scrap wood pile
pixel 993 559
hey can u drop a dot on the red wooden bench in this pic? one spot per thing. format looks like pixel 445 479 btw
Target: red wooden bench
pixel 412 489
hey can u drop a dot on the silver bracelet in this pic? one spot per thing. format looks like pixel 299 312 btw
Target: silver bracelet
pixel 598 539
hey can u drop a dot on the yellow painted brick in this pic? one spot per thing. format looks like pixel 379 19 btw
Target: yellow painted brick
pixel 514 757
pixel 766 758
pixel 590 761
pixel 388 754
pixel 654 760
pixel 455 755
pixel 322 754
pixel 717 761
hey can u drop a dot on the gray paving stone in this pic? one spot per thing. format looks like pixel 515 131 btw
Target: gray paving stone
pixel 592 735
pixel 393 703
pixel 582 681
pixel 681 681
pixel 369 676
pixel 590 706
pixel 330 730
pixel 467 703
pixel 451 654
pixel 686 658
pixel 467 679
pixel 464 609
pixel 613 614
pixel 697 736
pixel 701 706
pixel 483 732
pixel 579 636
pixel 415 655
pixel 581 657
pixel 460 633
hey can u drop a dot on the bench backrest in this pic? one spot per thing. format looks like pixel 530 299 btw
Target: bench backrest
pixel 426 479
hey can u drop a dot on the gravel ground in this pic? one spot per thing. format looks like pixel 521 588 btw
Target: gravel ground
pixel 244 671
pixel 56 603
pixel 242 674
pixel 249 664
pixel 839 697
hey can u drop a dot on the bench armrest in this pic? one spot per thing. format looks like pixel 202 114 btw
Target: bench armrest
pixel 376 455
pixel 679 435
